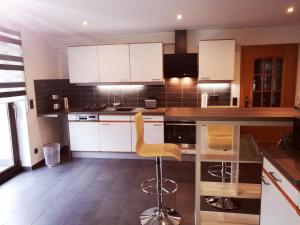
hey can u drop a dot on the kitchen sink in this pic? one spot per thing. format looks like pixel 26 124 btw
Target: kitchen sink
pixel 124 109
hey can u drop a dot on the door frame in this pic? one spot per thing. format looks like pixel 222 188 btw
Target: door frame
pixel 16 168
pixel 290 53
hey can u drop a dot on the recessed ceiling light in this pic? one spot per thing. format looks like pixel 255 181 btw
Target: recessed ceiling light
pixel 290 9
pixel 84 23
pixel 179 16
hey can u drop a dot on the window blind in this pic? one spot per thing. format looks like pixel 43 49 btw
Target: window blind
pixel 12 77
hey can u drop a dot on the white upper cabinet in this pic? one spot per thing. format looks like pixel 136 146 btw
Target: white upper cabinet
pixel 114 63
pixel 146 62
pixel 216 60
pixel 83 64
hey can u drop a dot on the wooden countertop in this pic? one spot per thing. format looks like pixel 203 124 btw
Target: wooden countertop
pixel 232 114
pixel 286 161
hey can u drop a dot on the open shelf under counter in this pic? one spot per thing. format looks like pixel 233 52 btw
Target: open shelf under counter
pixel 221 218
pixel 236 190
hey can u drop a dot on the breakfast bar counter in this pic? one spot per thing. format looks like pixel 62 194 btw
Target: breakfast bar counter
pixel 235 117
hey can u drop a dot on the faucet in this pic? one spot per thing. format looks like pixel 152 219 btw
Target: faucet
pixel 117 101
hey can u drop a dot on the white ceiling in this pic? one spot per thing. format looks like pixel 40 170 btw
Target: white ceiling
pixel 64 17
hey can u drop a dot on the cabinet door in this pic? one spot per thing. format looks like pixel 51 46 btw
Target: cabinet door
pixel 114 63
pixel 146 62
pixel 115 136
pixel 84 136
pixel 216 60
pixel 153 133
pixel 275 209
pixel 83 64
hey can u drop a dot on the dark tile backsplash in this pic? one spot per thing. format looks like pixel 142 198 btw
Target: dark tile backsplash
pixel 175 93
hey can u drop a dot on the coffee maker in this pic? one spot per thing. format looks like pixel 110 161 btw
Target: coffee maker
pixel 55 103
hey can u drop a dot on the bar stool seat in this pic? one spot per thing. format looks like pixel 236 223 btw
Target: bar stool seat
pixel 158 215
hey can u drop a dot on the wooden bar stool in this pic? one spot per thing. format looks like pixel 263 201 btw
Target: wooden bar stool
pixel 219 137
pixel 158 215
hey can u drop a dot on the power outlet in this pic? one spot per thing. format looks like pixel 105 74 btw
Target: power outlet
pixel 36 150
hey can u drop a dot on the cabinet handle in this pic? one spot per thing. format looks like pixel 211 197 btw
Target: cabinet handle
pixel 264 181
pixel 205 78
pixel 273 176
pixel 156 79
pixel 105 124
pixel 147 118
pixel 157 125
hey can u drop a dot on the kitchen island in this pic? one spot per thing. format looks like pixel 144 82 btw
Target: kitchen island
pixel 236 117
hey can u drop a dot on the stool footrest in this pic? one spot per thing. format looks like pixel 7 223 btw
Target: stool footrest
pixel 150 186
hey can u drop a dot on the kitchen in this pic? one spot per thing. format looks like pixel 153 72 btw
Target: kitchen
pixel 171 77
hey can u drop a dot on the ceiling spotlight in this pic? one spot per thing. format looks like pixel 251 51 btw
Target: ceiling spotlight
pixel 84 23
pixel 179 16
pixel 290 9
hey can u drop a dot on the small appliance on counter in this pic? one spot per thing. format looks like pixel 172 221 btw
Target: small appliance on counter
pixel 150 103
pixel 55 103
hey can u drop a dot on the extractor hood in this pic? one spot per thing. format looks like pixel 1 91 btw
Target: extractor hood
pixel 180 64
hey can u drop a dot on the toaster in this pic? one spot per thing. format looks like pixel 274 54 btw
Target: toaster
pixel 150 103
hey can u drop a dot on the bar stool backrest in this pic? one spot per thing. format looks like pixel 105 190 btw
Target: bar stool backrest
pixel 139 126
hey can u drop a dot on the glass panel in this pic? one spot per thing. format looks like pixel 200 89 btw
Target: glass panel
pixel 268 66
pixel 257 83
pixel 6 150
pixel 257 99
pixel 266 99
pixel 258 66
pixel 267 83
pixel 276 97
pixel 278 63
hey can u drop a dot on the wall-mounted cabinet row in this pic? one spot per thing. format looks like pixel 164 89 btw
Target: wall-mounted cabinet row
pixel 116 63
pixel 143 63
pixel 113 133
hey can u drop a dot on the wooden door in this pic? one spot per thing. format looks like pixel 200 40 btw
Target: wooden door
pixel 268 79
pixel 268 75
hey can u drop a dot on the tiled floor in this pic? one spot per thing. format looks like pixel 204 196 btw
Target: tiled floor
pixel 92 192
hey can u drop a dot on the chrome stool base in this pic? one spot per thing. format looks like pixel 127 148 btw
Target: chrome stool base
pixel 165 216
pixel 221 202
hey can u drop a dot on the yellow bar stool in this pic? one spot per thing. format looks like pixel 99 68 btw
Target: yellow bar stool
pixel 219 137
pixel 158 215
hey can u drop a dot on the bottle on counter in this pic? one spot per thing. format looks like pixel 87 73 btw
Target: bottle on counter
pixel 66 103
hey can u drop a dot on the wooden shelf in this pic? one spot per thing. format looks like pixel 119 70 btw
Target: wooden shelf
pixel 221 218
pixel 218 156
pixel 236 190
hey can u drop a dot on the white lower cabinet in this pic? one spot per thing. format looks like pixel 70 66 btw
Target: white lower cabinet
pixel 115 133
pixel 153 131
pixel 275 208
pixel 84 136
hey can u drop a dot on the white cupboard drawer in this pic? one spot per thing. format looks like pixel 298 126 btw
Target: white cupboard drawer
pixel 113 118
pixel 285 185
pixel 151 118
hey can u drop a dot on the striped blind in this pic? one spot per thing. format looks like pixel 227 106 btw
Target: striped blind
pixel 12 77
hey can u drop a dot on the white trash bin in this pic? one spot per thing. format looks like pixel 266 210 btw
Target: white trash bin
pixel 52 154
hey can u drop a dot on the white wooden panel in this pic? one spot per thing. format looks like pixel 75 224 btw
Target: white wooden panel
pixel 153 133
pixel 275 209
pixel 216 60
pixel 115 137
pixel 114 63
pixel 84 136
pixel 114 118
pixel 286 186
pixel 146 62
pixel 83 64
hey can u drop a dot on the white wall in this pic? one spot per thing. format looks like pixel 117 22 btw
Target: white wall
pixel 40 60
pixel 246 36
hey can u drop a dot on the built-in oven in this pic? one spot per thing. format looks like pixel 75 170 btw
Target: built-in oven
pixel 182 133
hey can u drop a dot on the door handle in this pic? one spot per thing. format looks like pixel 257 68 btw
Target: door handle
pixel 264 181
pixel 246 100
pixel 273 176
